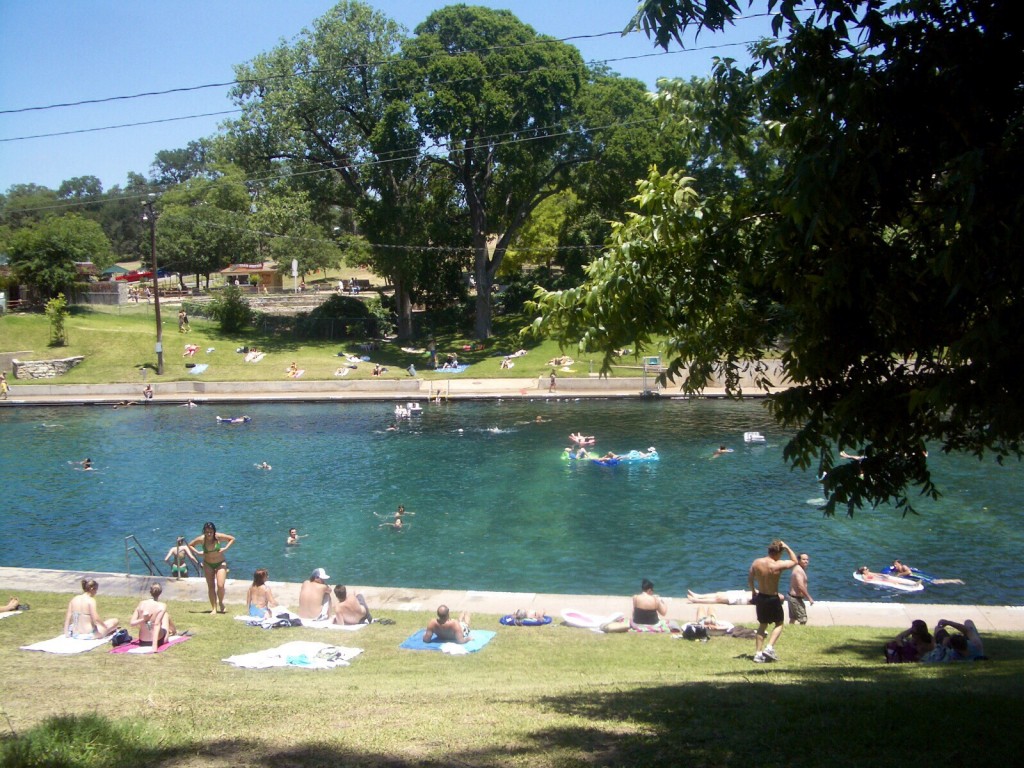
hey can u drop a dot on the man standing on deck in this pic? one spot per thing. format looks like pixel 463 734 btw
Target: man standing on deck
pixel 798 593
pixel 763 581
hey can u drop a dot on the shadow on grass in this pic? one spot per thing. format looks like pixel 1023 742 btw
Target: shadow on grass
pixel 776 714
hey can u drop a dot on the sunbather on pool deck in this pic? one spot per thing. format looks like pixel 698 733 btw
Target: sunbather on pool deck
pixel 728 597
pixel 446 629
pixel 315 596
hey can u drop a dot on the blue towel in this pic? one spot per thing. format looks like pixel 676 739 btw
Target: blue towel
pixel 198 368
pixel 478 638
pixel 461 368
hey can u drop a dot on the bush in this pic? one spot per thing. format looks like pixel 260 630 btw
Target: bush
pixel 231 309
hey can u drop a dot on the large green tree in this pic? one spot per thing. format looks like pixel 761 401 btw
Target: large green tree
pixel 203 225
pixel 44 254
pixel 499 104
pixel 882 254
pixel 316 112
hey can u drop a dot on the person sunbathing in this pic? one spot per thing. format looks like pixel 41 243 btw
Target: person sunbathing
pixel 445 629
pixel 82 620
pixel 728 597
pixel 154 622
pixel 12 605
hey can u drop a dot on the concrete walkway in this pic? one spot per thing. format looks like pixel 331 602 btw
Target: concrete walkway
pixel 989 618
pixel 178 392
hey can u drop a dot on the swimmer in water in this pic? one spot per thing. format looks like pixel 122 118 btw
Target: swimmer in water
pixel 395 526
pixel 263 465
pixel 721 450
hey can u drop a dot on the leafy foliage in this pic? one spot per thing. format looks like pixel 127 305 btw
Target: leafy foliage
pixel 231 309
pixel 57 313
pixel 857 201
pixel 44 254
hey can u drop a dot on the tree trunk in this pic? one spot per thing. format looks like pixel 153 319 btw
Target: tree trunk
pixel 403 309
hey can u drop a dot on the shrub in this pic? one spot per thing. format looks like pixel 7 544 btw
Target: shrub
pixel 231 309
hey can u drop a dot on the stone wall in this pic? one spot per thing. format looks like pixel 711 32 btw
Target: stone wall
pixel 44 369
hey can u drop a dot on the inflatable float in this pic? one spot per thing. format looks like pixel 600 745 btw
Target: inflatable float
pixel 633 457
pixel 885 581
pixel 915 574
pixel 753 437
pixel 509 620
pixel 234 420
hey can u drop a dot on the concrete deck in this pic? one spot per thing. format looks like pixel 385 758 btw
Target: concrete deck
pixel 989 618
pixel 452 388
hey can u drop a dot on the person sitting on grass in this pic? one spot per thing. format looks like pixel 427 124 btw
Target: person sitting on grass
pixel 445 629
pixel 964 645
pixel 911 644
pixel 350 609
pixel 82 620
pixel 151 617
pixel 259 599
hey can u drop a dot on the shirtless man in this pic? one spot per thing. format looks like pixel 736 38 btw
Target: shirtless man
pixel 446 629
pixel 315 596
pixel 798 591
pixel 350 609
pixel 763 582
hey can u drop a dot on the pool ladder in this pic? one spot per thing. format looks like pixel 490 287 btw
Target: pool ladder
pixel 132 544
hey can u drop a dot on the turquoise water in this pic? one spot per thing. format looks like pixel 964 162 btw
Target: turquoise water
pixel 495 507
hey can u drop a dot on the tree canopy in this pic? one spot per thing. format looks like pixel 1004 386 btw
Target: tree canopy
pixel 44 254
pixel 876 245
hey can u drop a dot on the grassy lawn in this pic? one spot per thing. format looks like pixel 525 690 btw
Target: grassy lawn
pixel 117 342
pixel 550 696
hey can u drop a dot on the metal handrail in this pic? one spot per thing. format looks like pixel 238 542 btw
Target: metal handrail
pixel 131 544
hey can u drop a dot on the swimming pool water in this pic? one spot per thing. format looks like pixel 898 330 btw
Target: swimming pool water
pixel 495 506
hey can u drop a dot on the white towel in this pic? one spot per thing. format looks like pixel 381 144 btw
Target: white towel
pixel 5 614
pixel 64 644
pixel 302 654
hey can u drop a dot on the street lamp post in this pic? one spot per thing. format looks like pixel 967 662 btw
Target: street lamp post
pixel 149 215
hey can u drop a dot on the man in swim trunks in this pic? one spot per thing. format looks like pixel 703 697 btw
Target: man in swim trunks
pixel 315 596
pixel 763 582
pixel 445 629
pixel 798 595
pixel 350 609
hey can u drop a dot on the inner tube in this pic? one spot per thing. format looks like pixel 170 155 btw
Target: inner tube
pixel 509 620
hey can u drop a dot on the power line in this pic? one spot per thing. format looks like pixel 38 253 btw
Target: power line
pixel 513 73
pixel 122 125
pixel 269 78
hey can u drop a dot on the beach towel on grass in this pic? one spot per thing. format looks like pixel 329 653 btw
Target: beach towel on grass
pixel 198 368
pixel 478 638
pixel 453 369
pixel 136 647
pixel 65 645
pixel 7 614
pixel 301 654
pixel 269 623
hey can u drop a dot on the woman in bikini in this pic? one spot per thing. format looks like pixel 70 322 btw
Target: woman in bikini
pixel 177 555
pixel 215 567
pixel 82 621
pixel 151 617
pixel 259 598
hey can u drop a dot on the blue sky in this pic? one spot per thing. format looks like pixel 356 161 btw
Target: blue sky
pixel 55 51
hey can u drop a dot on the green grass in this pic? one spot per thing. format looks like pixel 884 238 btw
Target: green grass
pixel 550 696
pixel 117 342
